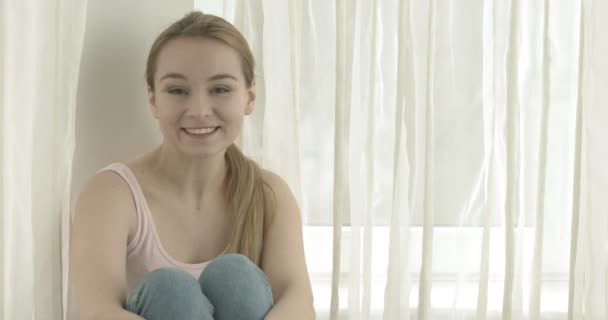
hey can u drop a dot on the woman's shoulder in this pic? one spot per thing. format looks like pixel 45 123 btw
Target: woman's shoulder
pixel 274 182
pixel 111 179
pixel 278 193
pixel 270 177
pixel 105 188
pixel 106 199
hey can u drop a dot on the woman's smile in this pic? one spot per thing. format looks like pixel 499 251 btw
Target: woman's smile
pixel 200 133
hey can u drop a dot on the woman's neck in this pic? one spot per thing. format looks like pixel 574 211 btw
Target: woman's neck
pixel 195 180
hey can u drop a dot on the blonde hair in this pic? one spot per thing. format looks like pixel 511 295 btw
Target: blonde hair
pixel 245 185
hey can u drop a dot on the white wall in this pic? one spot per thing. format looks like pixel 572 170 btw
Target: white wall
pixel 113 122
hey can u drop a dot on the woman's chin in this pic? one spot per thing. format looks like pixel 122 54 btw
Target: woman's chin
pixel 204 153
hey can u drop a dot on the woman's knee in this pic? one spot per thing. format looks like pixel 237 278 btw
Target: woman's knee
pixel 168 279
pixel 232 268
pixel 167 289
pixel 233 283
pixel 163 275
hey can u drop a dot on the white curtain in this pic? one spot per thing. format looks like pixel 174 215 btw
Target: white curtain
pixel 454 149
pixel 40 46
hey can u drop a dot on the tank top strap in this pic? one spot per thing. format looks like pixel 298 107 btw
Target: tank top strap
pixel 138 197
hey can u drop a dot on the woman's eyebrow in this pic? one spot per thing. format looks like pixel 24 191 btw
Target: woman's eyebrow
pixel 173 75
pixel 222 76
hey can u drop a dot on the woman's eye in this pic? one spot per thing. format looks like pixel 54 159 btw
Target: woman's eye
pixel 220 90
pixel 177 91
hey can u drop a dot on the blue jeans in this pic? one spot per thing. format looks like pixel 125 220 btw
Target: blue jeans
pixel 231 287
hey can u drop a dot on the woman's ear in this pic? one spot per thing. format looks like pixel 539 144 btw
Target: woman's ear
pixel 250 99
pixel 152 102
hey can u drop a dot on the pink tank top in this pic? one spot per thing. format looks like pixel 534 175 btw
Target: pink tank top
pixel 145 252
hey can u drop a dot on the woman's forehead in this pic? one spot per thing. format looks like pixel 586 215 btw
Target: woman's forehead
pixel 197 57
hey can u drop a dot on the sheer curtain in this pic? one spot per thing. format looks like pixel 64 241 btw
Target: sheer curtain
pixel 448 156
pixel 40 46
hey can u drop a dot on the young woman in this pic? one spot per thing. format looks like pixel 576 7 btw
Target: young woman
pixel 192 229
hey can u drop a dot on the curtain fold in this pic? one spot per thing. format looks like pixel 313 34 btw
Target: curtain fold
pixel 341 189
pixel 489 154
pixel 512 135
pixel 396 293
pixel 424 292
pixel 536 274
pixel 573 306
pixel 589 261
pixel 40 46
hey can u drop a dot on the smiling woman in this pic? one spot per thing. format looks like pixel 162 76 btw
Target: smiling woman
pixel 203 231
pixel 192 95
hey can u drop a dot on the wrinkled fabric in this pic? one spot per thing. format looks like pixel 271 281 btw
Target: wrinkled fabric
pixel 456 148
pixel 40 51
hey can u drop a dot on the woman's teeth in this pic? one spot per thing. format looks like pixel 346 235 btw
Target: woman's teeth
pixel 200 131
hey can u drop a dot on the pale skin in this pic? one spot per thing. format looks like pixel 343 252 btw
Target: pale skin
pixel 182 181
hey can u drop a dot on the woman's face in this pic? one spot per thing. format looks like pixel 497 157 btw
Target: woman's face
pixel 200 96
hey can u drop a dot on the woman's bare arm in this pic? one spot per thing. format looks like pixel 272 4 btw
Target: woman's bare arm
pixel 115 314
pixel 283 259
pixel 98 247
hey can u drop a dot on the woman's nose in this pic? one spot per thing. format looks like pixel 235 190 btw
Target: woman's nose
pixel 201 107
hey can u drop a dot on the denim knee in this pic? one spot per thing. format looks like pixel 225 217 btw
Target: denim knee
pixel 169 292
pixel 236 287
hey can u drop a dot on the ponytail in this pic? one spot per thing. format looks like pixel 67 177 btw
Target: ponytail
pixel 246 198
